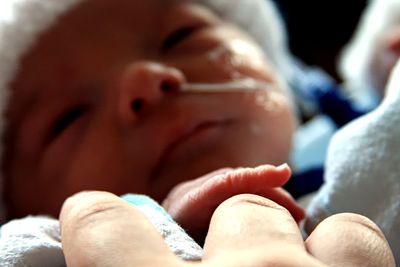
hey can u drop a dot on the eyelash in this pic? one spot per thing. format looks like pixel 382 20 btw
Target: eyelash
pixel 177 37
pixel 65 120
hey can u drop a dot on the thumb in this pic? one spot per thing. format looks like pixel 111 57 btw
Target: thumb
pixel 100 229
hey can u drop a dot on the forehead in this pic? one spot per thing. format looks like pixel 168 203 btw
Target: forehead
pixel 113 13
pixel 108 8
pixel 108 21
pixel 95 18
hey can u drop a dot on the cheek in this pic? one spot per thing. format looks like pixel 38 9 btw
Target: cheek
pixel 99 164
pixel 32 194
pixel 239 59
pixel 273 125
pixel 231 60
pixel 99 161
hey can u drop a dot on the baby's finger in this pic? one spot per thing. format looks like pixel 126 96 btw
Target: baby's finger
pixel 350 240
pixel 218 186
pixel 180 190
pixel 100 229
pixel 265 175
pixel 246 223
pixel 193 210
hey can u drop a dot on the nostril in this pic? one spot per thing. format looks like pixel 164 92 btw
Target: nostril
pixel 169 86
pixel 137 105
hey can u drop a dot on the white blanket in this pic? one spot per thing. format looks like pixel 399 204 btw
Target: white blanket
pixel 363 169
pixel 36 241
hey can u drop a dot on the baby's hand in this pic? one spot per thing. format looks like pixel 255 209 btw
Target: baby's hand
pixel 192 203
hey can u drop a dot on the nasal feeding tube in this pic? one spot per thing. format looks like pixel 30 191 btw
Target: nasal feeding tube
pixel 243 85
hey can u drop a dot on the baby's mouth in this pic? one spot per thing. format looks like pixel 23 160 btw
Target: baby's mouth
pixel 193 138
pixel 198 134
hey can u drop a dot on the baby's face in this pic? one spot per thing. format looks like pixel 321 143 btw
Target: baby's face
pixel 98 104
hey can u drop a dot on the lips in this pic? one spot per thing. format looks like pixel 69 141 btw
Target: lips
pixel 191 137
pixel 191 132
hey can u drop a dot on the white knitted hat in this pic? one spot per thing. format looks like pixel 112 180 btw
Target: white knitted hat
pixel 21 21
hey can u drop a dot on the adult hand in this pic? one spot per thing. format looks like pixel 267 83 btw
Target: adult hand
pixel 100 229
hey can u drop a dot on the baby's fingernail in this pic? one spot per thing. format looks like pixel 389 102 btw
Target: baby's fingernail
pixel 282 167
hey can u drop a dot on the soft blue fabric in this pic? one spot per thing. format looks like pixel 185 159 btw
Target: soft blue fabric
pixel 142 200
pixel 175 236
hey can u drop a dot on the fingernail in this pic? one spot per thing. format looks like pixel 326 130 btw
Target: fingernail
pixel 282 167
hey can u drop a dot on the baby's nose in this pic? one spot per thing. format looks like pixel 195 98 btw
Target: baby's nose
pixel 142 84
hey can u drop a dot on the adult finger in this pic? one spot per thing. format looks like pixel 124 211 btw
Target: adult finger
pixel 100 229
pixel 350 240
pixel 250 223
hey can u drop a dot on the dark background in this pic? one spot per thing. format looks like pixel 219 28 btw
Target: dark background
pixel 319 29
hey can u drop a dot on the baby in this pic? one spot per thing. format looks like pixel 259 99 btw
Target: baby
pixel 140 96
pixel 144 97
pixel 167 98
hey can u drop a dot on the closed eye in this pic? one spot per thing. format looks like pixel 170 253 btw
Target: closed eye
pixel 65 120
pixel 177 37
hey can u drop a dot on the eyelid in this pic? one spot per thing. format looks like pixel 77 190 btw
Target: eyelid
pixel 65 120
pixel 180 34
